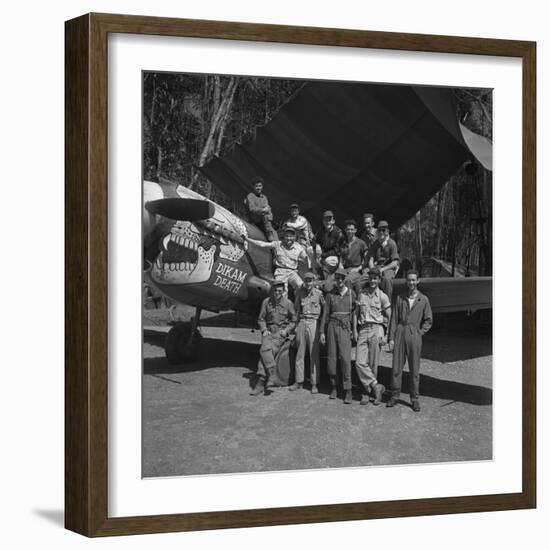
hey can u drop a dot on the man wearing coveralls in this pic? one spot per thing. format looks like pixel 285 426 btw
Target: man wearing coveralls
pixel 336 332
pixel 276 320
pixel 370 319
pixel 308 304
pixel 411 319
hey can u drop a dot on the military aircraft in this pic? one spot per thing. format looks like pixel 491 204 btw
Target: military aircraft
pixel 392 146
pixel 202 260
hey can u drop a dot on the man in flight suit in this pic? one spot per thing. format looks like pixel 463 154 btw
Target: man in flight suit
pixel 411 319
pixel 276 320
pixel 336 332
pixel 309 305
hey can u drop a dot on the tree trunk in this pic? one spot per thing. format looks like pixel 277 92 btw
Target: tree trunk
pixel 418 242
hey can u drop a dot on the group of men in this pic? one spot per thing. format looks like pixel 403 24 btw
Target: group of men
pixel 345 297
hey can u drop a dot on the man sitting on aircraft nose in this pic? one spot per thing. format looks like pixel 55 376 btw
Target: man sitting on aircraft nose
pixel 331 240
pixel 298 222
pixel 277 321
pixel 383 255
pixel 288 255
pixel 259 211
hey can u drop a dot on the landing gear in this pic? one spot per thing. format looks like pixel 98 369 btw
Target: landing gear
pixel 183 341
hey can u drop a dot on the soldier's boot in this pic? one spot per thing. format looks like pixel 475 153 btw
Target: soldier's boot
pixel 272 379
pixel 377 390
pixel 259 388
pixel 333 391
pixel 296 386
pixel 392 401
pixel 347 397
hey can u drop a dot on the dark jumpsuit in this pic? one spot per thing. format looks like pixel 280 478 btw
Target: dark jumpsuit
pixel 407 326
pixel 337 323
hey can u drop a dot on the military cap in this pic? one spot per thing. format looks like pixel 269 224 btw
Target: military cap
pixel 383 224
pixel 328 214
pixel 294 205
pixel 288 229
pixel 309 275
pixel 341 272
pixel 276 284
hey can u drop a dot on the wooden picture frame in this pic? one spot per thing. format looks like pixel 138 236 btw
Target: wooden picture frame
pixel 86 282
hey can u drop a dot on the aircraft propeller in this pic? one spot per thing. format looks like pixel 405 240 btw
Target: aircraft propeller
pixel 181 209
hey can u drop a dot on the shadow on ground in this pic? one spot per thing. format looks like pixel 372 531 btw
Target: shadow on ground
pixel 214 354
pixel 457 337
pixel 447 390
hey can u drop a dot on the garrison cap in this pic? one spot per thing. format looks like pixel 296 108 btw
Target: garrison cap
pixel 309 275
pixel 328 214
pixel 383 224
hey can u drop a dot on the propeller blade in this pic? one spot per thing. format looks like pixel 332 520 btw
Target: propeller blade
pixel 181 209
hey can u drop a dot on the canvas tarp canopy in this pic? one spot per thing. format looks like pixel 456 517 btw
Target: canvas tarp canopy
pixel 350 148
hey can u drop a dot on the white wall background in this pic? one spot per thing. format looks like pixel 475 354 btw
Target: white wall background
pixel 31 387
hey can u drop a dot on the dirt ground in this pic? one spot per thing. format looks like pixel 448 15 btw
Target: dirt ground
pixel 199 418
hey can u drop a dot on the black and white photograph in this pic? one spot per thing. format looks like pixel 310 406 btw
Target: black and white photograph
pixel 317 274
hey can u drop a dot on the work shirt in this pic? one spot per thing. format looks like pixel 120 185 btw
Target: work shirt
pixel 302 227
pixel 338 306
pixel 371 306
pixel 309 305
pixel 288 258
pixel 383 253
pixel 330 242
pixel 369 237
pixel 353 253
pixel 277 316
pixel 255 204
pixel 419 315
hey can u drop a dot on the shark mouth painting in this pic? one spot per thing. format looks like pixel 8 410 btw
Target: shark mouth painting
pixel 188 254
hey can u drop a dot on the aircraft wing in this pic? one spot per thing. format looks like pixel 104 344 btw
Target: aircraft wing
pixel 454 293
pixel 390 146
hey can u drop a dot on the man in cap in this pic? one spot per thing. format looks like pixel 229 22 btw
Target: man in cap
pixel 336 332
pixel 308 305
pixel 383 254
pixel 331 239
pixel 300 224
pixel 411 318
pixel 370 320
pixel 277 320
pixel 259 211
pixel 288 255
